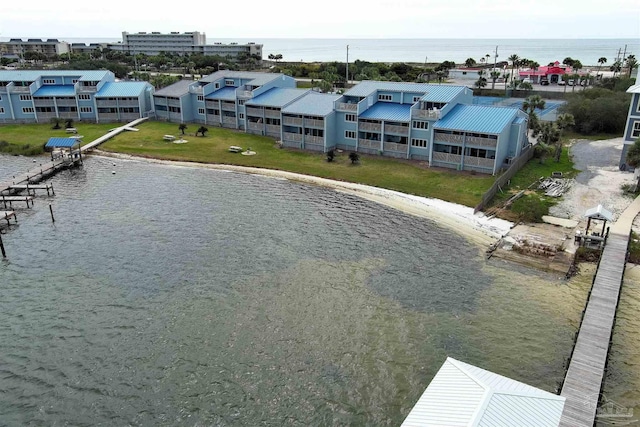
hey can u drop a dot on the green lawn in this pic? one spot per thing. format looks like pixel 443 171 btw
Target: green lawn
pixel 404 176
pixel 30 139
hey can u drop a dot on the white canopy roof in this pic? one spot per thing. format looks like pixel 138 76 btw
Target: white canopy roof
pixel 599 213
pixel 462 395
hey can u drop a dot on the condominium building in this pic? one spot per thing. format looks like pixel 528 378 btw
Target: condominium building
pixel 16 48
pixel 436 124
pixel 181 44
pixel 40 95
pixel 632 128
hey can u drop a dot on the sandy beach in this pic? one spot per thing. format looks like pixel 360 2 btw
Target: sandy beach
pixel 476 228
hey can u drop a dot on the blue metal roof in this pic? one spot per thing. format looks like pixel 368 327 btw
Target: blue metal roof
pixel 176 90
pixel 255 78
pixel 56 90
pixel 277 97
pixel 122 89
pixel 388 111
pixel 519 120
pixel 313 104
pixel 62 142
pixel 477 118
pixel 32 75
pixel 224 94
pixel 434 93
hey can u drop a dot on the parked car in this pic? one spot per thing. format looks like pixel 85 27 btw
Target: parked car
pixel 544 81
pixel 526 81
pixel 561 83
pixel 571 82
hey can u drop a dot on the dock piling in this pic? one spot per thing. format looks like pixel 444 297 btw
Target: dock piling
pixel 51 210
pixel 4 254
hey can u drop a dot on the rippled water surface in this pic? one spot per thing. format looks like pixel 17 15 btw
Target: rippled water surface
pixel 165 295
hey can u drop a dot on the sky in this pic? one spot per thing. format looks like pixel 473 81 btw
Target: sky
pixel 325 19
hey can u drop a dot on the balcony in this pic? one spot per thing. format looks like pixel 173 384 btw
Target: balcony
pixel 254 126
pixel 229 106
pixel 173 102
pixel 314 123
pixel 45 116
pixel 108 116
pixel 289 136
pixel 426 114
pixel 211 103
pixel 20 89
pixel 393 146
pixel 292 121
pixel 374 127
pixel 309 139
pixel 446 157
pixel 400 130
pixel 38 102
pixel 229 120
pixel 128 103
pixel 273 129
pixel 213 118
pixel 481 142
pixel 82 88
pixel 479 161
pixel 447 137
pixel 272 113
pixel 255 112
pixel 243 93
pixel 68 114
pixel 342 106
pixel 369 143
pixel 66 102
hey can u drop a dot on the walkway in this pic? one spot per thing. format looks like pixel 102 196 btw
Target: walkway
pixel 586 370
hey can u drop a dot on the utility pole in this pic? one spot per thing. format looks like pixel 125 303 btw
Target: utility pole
pixel 495 59
pixel 347 76
pixel 615 64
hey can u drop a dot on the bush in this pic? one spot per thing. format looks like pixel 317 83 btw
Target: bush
pixel 531 208
pixel 634 249
pixel 598 110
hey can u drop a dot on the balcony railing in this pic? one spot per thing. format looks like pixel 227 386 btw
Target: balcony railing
pixel 293 121
pixel 343 106
pixel 402 130
pixel 243 93
pixel 66 102
pixel 87 88
pixel 256 112
pixel 313 139
pixel 210 103
pixel 173 102
pixel 229 106
pixel 45 116
pixel 68 114
pixel 426 114
pixel 369 143
pixel 290 136
pixel 128 103
pixel 479 161
pixel 446 157
pixel 272 113
pixel 375 127
pixel 273 128
pixel 315 123
pixel 447 137
pixel 108 116
pixel 43 102
pixel 20 89
pixel 393 146
pixel 255 126
pixel 482 142
pixel 213 118
pixel 229 120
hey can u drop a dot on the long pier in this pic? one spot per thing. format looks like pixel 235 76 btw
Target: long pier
pixel 583 381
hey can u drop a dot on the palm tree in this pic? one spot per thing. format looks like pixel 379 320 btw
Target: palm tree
pixel 202 130
pixel 331 154
pixel 354 157
pixel 548 135
pixel 563 122
pixel 481 82
pixel 182 127
pixel 514 60
pixel 529 105
pixel 470 62
pixel 494 76
pixel 68 123
pixel 601 62
pixel 632 63
pixel 55 121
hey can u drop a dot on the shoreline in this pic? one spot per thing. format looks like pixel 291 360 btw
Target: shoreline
pixel 476 228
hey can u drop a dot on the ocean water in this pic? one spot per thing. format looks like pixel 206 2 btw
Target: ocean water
pixel 588 51
pixel 168 295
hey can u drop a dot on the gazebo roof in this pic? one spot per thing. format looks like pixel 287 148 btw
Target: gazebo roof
pixel 599 213
pixel 62 142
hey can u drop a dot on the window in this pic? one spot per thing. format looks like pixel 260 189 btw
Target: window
pixel 217 85
pixel 350 117
pixel 86 109
pixel 200 97
pixel 48 81
pixel 174 109
pixel 25 97
pixel 84 97
pixel 635 131
pixel 1 110
pixel 416 142
pixel 74 81
pixel 27 110
pixel 241 116
pixel 383 97
pixel 241 101
pixel 0 97
pixel 416 99
pixel 350 134
pixel 229 83
pixel 200 110
pixel 420 125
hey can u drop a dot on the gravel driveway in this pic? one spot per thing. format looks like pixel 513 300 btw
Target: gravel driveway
pixel 599 181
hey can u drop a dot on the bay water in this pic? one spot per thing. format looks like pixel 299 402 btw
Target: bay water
pixel 166 295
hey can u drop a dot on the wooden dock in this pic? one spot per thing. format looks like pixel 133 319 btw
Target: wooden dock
pixel 9 200
pixel 7 215
pixel 35 175
pixel 31 188
pixel 583 381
